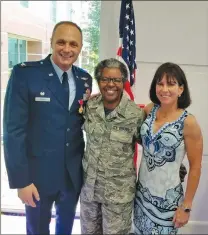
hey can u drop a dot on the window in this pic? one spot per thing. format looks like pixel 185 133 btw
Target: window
pixel 22 50
pixel 17 51
pixel 28 40
pixel 53 11
pixel 85 57
pixel 13 52
pixel 70 11
pixel 24 3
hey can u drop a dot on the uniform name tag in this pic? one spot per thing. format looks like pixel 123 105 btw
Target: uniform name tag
pixel 46 99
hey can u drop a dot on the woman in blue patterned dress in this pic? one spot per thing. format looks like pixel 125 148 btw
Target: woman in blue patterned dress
pixel 168 134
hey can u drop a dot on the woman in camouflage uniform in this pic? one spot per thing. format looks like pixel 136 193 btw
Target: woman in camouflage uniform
pixel 111 124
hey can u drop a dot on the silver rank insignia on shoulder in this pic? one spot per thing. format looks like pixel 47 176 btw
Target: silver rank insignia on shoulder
pixel 42 93
pixel 86 84
pixel 23 64
pixel 85 79
pixel 50 74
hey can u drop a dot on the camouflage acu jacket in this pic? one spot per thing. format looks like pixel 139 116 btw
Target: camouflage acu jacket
pixel 110 149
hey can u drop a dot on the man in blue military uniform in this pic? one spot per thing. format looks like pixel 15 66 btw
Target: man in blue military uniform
pixel 43 139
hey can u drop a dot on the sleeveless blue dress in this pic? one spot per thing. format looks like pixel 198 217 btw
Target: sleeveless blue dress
pixel 159 190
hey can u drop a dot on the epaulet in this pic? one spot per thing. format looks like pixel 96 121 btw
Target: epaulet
pixel 81 70
pixel 30 64
pixel 134 107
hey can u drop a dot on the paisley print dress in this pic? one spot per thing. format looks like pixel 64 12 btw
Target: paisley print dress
pixel 159 190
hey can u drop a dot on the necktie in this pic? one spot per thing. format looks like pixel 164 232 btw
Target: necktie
pixel 65 86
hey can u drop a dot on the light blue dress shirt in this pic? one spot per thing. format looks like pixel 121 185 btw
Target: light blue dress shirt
pixel 72 86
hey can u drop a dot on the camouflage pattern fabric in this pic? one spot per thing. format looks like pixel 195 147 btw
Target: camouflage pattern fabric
pixel 109 172
pixel 103 218
pixel 108 159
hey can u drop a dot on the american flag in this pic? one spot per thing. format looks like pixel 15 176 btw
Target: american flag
pixel 127 43
pixel 127 49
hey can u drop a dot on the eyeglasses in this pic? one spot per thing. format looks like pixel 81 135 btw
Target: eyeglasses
pixel 114 80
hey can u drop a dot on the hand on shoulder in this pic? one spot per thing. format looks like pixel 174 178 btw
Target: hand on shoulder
pixel 96 95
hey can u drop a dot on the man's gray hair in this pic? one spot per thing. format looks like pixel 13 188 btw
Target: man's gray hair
pixel 70 23
pixel 110 63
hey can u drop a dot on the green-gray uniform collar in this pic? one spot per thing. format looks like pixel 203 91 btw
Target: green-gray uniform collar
pixel 97 102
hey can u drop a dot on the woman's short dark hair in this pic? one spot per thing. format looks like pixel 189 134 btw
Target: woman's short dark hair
pixel 110 63
pixel 171 70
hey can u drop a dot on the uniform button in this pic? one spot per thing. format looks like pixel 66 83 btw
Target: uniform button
pixel 67 144
pixel 68 129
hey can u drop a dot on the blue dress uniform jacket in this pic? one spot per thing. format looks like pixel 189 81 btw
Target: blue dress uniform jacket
pixel 43 141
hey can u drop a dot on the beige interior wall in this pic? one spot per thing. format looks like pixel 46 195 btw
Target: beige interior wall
pixel 175 31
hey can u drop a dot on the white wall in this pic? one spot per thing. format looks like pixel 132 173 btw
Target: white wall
pixel 177 32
